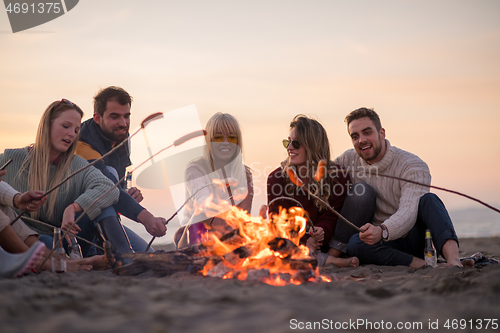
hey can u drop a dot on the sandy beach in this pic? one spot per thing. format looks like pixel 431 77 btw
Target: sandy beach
pixel 384 297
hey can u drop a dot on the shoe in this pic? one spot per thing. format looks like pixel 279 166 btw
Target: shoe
pixel 480 260
pixel 18 264
pixel 112 230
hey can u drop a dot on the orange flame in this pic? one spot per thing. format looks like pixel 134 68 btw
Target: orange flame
pixel 258 249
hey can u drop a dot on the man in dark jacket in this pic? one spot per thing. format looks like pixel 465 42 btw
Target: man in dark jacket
pixel 98 135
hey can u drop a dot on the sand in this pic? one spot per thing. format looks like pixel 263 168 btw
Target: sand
pixel 379 296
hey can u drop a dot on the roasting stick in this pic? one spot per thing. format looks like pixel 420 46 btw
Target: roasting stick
pixel 176 212
pixel 177 142
pixel 437 188
pixel 297 181
pixel 51 226
pixel 144 123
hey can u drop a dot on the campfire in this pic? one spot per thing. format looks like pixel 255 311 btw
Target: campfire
pixel 256 249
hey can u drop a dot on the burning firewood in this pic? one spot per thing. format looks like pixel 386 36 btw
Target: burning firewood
pixel 255 250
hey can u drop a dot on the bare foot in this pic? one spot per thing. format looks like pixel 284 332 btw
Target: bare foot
pixel 75 265
pixel 464 263
pixel 99 263
pixel 343 262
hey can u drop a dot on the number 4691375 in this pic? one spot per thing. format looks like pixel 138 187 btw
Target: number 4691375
pixel 40 8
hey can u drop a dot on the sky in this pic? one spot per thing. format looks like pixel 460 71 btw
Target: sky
pixel 431 69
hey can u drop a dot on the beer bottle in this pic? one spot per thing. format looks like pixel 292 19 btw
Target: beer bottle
pixel 59 255
pixel 430 251
pixel 75 251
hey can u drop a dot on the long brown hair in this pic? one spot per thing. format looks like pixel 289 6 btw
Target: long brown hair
pixel 38 160
pixel 312 135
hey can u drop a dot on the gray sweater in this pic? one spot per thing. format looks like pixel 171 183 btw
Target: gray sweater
pixel 84 188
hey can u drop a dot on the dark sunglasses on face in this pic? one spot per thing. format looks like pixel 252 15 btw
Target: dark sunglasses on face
pixel 67 102
pixel 220 138
pixel 295 143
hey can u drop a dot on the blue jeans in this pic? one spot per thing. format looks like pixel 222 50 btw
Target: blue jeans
pixel 358 208
pixel 432 215
pixel 90 233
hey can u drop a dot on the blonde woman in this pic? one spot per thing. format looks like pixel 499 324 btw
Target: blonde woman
pixel 222 161
pixel 306 145
pixel 50 160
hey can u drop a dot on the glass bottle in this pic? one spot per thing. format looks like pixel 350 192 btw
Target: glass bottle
pixel 59 255
pixel 430 251
pixel 75 251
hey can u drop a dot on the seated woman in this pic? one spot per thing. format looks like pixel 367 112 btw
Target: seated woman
pixel 222 160
pixel 21 251
pixel 306 145
pixel 49 161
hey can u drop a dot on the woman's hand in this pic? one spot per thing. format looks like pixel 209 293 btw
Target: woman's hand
pixel 312 245
pixel 69 218
pixel 29 200
pixel 318 234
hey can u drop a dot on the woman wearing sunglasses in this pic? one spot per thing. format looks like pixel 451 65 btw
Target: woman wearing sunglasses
pixel 49 161
pixel 219 175
pixel 306 145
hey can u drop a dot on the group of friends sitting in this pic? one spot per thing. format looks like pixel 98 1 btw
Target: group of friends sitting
pixel 391 213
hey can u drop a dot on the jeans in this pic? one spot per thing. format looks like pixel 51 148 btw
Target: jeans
pixel 432 215
pixel 90 233
pixel 358 208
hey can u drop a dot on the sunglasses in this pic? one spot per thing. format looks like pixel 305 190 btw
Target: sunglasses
pixel 67 102
pixel 295 143
pixel 220 138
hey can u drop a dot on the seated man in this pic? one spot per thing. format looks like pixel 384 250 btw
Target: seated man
pixel 98 135
pixel 403 210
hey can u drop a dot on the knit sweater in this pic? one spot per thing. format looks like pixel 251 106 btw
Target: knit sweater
pixel 7 194
pixel 84 188
pixel 397 201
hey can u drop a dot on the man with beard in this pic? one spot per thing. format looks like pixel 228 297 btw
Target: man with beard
pixel 98 135
pixel 402 210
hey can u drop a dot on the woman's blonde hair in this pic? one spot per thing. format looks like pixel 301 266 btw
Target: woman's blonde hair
pixel 38 160
pixel 312 136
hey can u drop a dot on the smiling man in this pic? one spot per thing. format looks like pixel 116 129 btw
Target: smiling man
pixel 108 127
pixel 403 210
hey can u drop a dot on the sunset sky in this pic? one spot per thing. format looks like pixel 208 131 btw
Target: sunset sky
pixel 431 69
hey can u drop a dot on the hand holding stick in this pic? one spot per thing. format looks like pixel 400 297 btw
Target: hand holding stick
pixel 297 181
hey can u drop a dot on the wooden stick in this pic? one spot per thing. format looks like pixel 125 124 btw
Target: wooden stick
pixel 297 181
pixel 176 212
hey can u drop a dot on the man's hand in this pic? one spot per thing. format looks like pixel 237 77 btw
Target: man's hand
pixel 2 173
pixel 371 235
pixel 135 193
pixel 29 200
pixel 154 225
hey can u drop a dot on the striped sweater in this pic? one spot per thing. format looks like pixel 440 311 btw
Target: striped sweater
pixel 84 188
pixel 397 201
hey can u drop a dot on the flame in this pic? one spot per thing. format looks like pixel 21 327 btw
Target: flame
pixel 256 248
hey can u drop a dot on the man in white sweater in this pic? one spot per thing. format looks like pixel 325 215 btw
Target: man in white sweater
pixel 403 210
